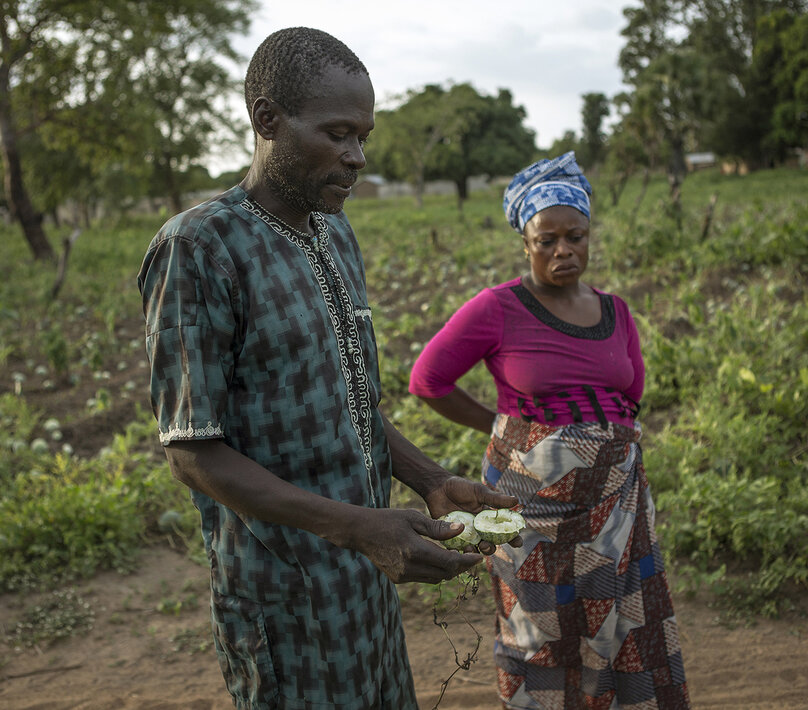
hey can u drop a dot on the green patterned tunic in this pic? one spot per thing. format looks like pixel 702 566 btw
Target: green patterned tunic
pixel 262 336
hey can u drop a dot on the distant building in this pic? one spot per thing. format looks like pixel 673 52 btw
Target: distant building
pixel 368 186
pixel 700 161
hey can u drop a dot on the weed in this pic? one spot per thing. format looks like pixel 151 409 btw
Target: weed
pixel 194 640
pixel 61 614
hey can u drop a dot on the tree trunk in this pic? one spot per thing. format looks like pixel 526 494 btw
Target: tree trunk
pixel 677 169
pixel 462 192
pixel 646 178
pixel 170 183
pixel 419 188
pixel 19 203
pixel 617 186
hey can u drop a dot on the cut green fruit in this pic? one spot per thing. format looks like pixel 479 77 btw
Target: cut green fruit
pixel 469 535
pixel 498 526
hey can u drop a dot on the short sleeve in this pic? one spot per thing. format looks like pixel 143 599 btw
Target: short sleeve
pixel 190 334
pixel 472 334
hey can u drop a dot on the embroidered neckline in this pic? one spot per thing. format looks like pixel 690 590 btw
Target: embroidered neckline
pixel 600 331
pixel 318 240
pixel 342 313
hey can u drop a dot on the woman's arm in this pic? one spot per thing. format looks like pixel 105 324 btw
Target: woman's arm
pixel 473 333
pixel 459 406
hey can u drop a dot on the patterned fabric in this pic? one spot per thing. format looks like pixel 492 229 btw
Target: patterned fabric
pixel 584 615
pixel 544 184
pixel 262 336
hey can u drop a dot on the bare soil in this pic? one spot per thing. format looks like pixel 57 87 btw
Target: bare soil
pixel 149 649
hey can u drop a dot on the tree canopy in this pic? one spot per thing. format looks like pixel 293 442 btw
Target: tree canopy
pixel 451 133
pixel 97 94
pixel 716 75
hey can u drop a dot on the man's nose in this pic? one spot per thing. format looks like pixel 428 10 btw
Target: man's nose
pixel 355 156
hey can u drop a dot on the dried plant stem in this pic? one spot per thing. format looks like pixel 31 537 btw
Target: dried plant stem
pixel 470 588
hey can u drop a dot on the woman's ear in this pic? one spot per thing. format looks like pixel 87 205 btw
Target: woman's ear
pixel 265 116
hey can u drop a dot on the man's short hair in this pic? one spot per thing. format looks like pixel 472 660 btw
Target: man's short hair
pixel 289 62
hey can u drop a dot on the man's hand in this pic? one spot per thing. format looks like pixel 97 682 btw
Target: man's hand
pixel 458 493
pixel 392 540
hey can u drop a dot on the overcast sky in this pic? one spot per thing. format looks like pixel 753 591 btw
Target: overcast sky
pixel 547 52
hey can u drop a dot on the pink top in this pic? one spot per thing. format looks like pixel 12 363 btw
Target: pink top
pixel 544 368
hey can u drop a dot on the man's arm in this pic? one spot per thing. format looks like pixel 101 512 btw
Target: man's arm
pixel 390 538
pixel 441 491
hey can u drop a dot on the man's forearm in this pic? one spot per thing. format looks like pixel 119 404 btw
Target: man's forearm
pixel 392 539
pixel 215 469
pixel 412 466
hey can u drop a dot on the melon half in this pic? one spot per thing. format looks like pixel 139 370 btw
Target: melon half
pixel 495 526
pixel 498 526
pixel 469 535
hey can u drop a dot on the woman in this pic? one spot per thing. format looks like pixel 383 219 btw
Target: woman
pixel 584 615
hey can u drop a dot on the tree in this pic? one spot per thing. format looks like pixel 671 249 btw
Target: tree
pixel 595 109
pixel 75 78
pixel 183 82
pixel 676 89
pixel 404 138
pixel 734 111
pixel 728 32
pixel 490 139
pixel 567 142
pixel 660 73
pixel 625 154
pixel 782 53
pixel 451 134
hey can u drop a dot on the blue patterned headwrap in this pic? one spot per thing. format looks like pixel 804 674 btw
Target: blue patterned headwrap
pixel 544 184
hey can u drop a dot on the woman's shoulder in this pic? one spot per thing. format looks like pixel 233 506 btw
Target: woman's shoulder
pixel 506 285
pixel 495 296
pixel 607 294
pixel 619 307
pixel 486 303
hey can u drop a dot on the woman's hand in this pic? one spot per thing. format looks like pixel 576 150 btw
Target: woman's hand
pixel 457 493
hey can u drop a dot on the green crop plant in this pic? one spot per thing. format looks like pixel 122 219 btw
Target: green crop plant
pixel 723 321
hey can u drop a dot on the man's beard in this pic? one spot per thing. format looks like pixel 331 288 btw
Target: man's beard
pixel 282 176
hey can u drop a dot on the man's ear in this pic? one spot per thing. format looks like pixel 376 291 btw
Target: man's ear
pixel 266 115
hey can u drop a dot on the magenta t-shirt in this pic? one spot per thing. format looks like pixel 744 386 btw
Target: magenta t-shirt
pixel 544 368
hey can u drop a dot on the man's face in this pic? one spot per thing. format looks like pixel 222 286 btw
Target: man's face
pixel 318 153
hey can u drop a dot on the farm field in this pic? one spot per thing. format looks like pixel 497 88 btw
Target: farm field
pixel 102 607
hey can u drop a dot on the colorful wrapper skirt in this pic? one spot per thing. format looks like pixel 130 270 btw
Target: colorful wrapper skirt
pixel 584 613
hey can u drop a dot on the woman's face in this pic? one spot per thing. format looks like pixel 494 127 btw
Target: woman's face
pixel 557 243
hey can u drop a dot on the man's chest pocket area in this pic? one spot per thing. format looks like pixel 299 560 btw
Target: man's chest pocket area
pixel 367 345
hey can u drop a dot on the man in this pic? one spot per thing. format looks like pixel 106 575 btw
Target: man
pixel 265 384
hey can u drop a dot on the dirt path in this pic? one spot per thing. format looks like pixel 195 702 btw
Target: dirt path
pixel 149 649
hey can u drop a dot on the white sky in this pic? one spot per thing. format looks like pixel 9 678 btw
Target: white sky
pixel 546 52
